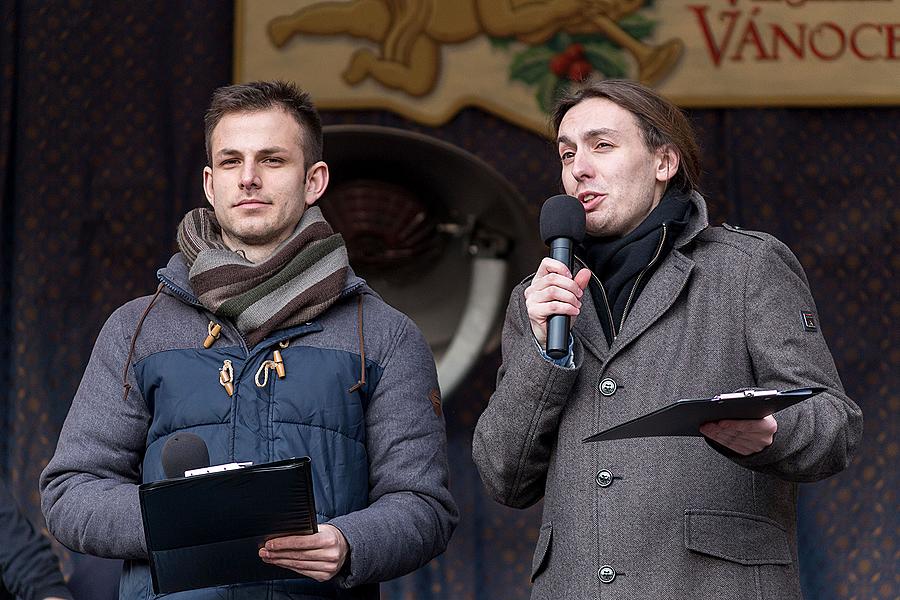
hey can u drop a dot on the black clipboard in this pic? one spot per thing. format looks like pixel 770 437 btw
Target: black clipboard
pixel 206 530
pixel 684 417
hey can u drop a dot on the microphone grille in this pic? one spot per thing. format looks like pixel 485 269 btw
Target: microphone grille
pixel 182 452
pixel 562 217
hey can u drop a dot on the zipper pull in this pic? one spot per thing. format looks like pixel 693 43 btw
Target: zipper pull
pixel 226 377
pixel 214 329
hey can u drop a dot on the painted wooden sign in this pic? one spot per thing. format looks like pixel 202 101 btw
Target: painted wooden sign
pixel 426 59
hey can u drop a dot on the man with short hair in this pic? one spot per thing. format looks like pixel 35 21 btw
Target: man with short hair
pixel 262 341
pixel 664 307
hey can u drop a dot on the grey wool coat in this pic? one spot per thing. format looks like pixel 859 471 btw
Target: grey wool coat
pixel 669 517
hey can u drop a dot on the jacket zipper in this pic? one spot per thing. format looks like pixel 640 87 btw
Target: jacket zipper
pixel 612 324
pixel 637 281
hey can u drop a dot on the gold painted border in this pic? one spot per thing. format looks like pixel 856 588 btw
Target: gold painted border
pixel 784 101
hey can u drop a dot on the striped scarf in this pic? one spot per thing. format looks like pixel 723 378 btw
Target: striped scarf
pixel 298 282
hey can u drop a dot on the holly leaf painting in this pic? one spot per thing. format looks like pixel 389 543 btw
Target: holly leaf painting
pixel 531 65
pixel 549 88
pixel 607 59
pixel 637 25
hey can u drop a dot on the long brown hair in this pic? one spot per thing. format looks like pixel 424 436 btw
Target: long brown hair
pixel 661 122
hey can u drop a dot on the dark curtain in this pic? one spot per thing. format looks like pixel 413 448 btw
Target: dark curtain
pixel 101 151
pixel 101 127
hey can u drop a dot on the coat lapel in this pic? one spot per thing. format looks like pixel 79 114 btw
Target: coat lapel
pixel 660 294
pixel 657 297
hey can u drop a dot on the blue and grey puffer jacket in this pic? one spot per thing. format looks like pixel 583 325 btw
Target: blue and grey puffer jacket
pixel 374 432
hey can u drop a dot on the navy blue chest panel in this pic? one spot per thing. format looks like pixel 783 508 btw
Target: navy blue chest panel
pixel 309 412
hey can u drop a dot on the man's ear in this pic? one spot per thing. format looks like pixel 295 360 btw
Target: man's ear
pixel 316 182
pixel 667 163
pixel 208 186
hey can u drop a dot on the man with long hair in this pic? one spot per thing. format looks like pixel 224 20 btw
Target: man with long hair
pixel 664 307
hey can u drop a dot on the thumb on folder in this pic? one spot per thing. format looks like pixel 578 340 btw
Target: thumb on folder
pixel 319 556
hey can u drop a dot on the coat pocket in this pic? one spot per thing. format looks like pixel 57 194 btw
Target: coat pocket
pixel 742 538
pixel 541 550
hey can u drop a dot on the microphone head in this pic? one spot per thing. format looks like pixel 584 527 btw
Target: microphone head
pixel 184 451
pixel 562 217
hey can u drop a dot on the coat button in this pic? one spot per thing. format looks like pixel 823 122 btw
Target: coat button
pixel 608 386
pixel 604 478
pixel 606 574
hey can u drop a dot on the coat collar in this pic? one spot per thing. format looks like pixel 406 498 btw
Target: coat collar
pixel 658 296
pixel 698 221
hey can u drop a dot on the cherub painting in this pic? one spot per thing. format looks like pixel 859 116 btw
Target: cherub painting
pixel 410 33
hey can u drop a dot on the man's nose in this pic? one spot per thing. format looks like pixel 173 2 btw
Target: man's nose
pixel 250 178
pixel 581 166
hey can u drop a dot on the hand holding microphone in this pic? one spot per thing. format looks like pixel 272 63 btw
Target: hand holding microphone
pixel 553 299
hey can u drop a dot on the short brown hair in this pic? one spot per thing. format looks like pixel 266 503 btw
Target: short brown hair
pixel 661 122
pixel 263 95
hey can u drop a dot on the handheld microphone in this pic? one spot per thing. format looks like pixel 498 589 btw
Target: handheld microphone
pixel 184 451
pixel 562 227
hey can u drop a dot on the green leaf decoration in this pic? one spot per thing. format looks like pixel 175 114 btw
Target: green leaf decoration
pixel 607 59
pixel 546 91
pixel 531 65
pixel 560 42
pixel 500 43
pixel 637 26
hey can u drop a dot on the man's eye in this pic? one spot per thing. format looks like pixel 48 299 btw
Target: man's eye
pixel 273 160
pixel 603 145
pixel 228 162
pixel 566 155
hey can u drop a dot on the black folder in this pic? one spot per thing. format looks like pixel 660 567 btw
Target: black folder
pixel 684 417
pixel 206 530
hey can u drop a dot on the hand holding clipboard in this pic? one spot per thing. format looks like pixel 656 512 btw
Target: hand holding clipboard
pixel 684 417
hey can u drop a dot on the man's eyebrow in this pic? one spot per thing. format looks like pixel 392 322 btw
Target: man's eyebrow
pixel 588 135
pixel 266 151
pixel 272 150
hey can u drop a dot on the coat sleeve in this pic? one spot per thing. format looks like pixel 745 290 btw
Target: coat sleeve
pixel 411 514
pixel 517 431
pixel 817 437
pixel 89 489
pixel 28 568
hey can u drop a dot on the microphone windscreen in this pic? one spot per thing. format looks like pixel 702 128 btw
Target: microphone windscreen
pixel 184 451
pixel 562 217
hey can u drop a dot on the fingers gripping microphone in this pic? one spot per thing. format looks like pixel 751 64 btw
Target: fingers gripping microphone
pixel 184 452
pixel 562 227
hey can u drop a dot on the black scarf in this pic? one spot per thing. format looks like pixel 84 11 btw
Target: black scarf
pixel 618 262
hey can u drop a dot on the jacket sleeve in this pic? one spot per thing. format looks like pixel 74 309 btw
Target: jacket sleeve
pixel 28 567
pixel 411 514
pixel 817 437
pixel 89 490
pixel 517 431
